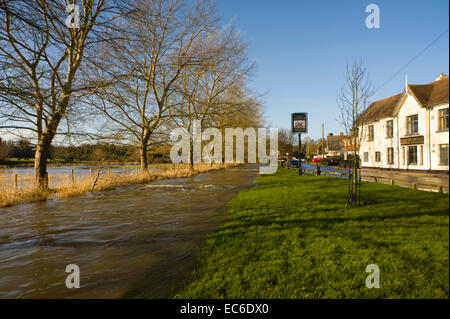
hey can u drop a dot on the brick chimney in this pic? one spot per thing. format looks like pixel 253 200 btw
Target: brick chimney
pixel 441 76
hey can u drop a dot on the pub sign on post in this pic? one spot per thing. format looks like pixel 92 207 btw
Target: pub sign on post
pixel 299 122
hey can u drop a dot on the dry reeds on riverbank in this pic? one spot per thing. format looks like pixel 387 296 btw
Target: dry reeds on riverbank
pixel 65 185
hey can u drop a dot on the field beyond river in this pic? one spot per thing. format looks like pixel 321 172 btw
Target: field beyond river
pixel 291 236
pixel 17 185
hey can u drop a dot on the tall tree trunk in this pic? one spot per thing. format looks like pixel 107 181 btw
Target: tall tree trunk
pixel 191 158
pixel 353 190
pixel 44 143
pixel 143 158
pixel 40 165
pixel 355 177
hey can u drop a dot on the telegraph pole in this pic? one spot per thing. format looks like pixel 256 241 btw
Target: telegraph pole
pixel 322 138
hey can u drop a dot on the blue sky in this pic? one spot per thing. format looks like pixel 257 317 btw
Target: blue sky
pixel 302 47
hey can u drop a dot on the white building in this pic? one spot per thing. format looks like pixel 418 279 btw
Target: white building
pixel 408 131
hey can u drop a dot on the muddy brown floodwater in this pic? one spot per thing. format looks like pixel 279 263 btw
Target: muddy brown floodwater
pixel 133 242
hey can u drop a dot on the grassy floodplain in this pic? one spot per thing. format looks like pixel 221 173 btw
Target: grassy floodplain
pixel 291 237
pixel 65 188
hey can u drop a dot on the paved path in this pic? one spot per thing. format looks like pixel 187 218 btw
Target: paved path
pixel 427 178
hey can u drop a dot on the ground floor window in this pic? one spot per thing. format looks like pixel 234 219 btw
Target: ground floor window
pixel 403 155
pixel 366 156
pixel 412 155
pixel 443 154
pixel 390 155
pixel 377 157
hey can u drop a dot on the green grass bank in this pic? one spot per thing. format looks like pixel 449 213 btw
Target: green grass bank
pixel 291 237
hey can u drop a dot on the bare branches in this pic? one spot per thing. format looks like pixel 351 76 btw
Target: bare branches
pixel 41 59
pixel 174 63
pixel 352 99
pixel 136 68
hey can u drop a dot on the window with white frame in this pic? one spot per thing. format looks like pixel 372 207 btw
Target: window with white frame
pixel 390 155
pixel 366 156
pixel 412 124
pixel 412 155
pixel 443 154
pixel 371 132
pixel 443 119
pixel 377 156
pixel 389 128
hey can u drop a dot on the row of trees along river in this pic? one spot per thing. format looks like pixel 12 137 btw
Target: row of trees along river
pixel 129 73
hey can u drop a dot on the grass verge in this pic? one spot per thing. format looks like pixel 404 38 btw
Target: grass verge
pixel 291 237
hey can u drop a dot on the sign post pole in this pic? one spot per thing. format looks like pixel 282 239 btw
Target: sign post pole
pixel 300 172
pixel 299 125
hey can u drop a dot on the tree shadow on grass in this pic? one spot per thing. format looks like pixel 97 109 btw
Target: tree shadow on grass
pixel 227 231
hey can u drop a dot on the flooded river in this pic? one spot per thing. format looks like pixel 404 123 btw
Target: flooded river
pixel 60 174
pixel 133 242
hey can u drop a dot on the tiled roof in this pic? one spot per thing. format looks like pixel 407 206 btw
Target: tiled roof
pixel 335 143
pixel 433 93
pixel 428 94
pixel 380 109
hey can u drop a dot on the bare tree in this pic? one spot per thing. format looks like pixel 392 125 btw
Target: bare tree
pixel 42 50
pixel 239 108
pixel 6 149
pixel 311 146
pixel 286 142
pixel 157 54
pixel 352 99
pixel 205 86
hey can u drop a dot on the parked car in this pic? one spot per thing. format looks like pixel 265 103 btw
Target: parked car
pixel 317 160
pixel 293 162
pixel 333 161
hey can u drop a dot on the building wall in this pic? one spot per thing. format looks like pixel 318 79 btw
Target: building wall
pixel 437 137
pixel 388 142
pixel 411 107
pixel 370 146
pixel 427 153
pixel 380 143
